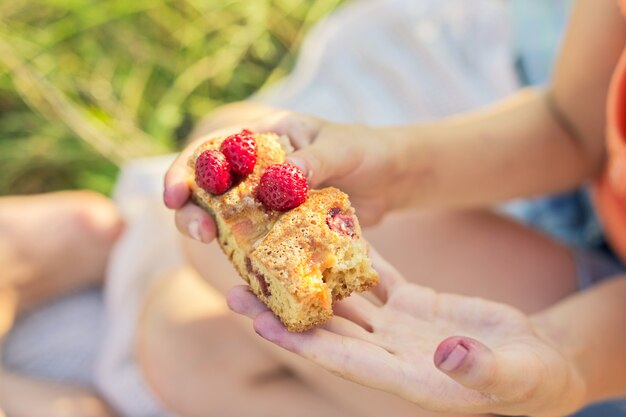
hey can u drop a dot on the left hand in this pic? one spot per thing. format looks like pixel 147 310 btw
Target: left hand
pixel 368 164
pixel 444 352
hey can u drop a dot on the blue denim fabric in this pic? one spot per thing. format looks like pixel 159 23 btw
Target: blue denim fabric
pixel 616 408
pixel 538 26
pixel 593 267
pixel 569 218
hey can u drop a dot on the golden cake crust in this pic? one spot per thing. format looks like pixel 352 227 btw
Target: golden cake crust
pixel 296 247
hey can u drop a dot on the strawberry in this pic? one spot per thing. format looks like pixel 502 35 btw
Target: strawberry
pixel 213 172
pixel 342 223
pixel 282 187
pixel 240 151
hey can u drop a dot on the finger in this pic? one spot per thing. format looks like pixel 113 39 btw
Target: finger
pixel 318 159
pixel 351 358
pixel 476 366
pixel 233 115
pixel 318 162
pixel 390 278
pixel 176 190
pixel 328 158
pixel 302 129
pixel 241 300
pixel 347 328
pixel 195 223
pixel 356 309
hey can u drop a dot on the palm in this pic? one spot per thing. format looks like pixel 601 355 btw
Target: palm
pixel 415 320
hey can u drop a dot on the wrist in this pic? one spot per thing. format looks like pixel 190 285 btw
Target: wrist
pixel 410 163
pixel 574 388
pixel 588 329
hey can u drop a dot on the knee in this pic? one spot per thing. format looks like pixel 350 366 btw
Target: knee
pixel 194 341
pixel 97 215
pixel 160 350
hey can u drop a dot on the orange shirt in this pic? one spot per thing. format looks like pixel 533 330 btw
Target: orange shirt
pixel 610 189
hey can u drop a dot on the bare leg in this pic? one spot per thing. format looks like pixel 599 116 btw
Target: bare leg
pixel 54 243
pixel 474 253
pixel 50 245
pixel 28 397
pixel 477 253
pixel 198 362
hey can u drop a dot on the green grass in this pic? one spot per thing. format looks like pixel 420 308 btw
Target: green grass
pixel 88 84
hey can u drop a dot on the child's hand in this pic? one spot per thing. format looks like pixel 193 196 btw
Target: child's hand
pixel 444 352
pixel 366 163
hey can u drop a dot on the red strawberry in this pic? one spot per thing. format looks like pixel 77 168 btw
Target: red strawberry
pixel 213 172
pixel 282 187
pixel 240 151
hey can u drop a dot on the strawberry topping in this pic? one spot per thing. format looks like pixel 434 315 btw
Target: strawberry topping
pixel 282 187
pixel 340 222
pixel 213 172
pixel 240 151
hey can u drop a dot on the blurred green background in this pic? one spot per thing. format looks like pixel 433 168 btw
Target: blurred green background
pixel 87 84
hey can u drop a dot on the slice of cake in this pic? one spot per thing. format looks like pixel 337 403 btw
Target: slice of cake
pixel 299 252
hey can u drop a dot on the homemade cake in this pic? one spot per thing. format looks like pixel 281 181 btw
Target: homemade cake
pixel 297 260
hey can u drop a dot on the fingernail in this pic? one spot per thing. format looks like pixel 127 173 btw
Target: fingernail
pixel 453 359
pixel 233 304
pixel 258 332
pixel 194 229
pixel 167 197
pixel 171 196
pixel 261 332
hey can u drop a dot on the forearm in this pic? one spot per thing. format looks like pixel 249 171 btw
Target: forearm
pixel 521 147
pixel 590 329
pixel 534 143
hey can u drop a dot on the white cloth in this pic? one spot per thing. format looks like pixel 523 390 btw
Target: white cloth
pixel 374 61
pixel 385 62
pixel 60 340
pixel 88 337
pixel 147 251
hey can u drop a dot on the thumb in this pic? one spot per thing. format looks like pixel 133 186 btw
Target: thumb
pixel 475 366
pixel 313 163
pixel 321 162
